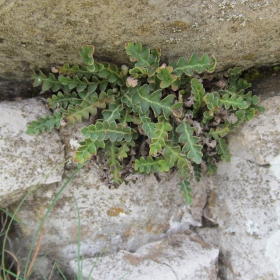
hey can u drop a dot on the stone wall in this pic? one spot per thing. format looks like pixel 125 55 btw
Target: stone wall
pixel 40 34
pixel 231 231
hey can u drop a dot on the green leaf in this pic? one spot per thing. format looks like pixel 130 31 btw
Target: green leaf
pixel 87 149
pixel 146 165
pixel 190 148
pixel 113 162
pixel 111 73
pixel 193 65
pixel 87 54
pixel 164 74
pixel 211 100
pixel 47 123
pixel 146 100
pixel 143 57
pixel 173 156
pixel 199 93
pixel 251 99
pixel 160 136
pixel 107 131
pixel 63 100
pixel 113 113
pixel 148 126
pixel 81 111
pixel 234 101
pixel 47 82
pixel 80 71
pixel 186 191
pixel 124 148
pixel 223 150
pixel 197 171
pixel 220 131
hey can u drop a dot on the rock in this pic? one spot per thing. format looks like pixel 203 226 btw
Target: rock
pixel 25 160
pixel 126 218
pixel 51 33
pixel 258 140
pixel 248 200
pixel 181 256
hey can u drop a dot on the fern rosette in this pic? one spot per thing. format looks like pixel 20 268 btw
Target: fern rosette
pixel 149 117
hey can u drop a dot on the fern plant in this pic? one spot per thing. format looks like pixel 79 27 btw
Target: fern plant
pixel 151 117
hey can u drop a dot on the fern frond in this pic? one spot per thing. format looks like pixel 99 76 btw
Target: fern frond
pixel 47 82
pixel 113 162
pixel 186 191
pixel 47 123
pixel 166 76
pixel 146 61
pixel 173 156
pixel 79 71
pixel 199 92
pixel 146 100
pixel 108 131
pixel 87 149
pixel 197 171
pixel 63 100
pixel 160 135
pixel 113 113
pixel 190 148
pixel 148 126
pixel 146 165
pixel 223 150
pixel 220 131
pixel 193 65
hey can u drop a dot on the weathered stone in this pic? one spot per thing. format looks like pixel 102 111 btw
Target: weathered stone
pixel 181 256
pixel 25 160
pixel 259 140
pixel 126 218
pixel 248 199
pixel 51 33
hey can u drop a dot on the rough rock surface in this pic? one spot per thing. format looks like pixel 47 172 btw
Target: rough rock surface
pixel 126 218
pixel 236 211
pixel 239 33
pixel 170 259
pixel 25 159
pixel 247 203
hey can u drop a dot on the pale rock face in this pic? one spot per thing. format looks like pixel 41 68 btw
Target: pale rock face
pixel 140 224
pixel 25 160
pixel 47 33
pixel 248 199
pixel 126 218
pixel 180 256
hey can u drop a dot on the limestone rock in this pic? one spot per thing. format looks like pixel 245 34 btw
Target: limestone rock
pixel 248 200
pixel 126 218
pixel 50 33
pixel 25 159
pixel 259 140
pixel 181 256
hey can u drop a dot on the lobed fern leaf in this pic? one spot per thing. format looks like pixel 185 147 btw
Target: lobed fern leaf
pixel 107 131
pixel 145 59
pixel 86 149
pixel 223 150
pixel 47 123
pixel 193 65
pixel 113 162
pixel 186 191
pixel 146 165
pixel 63 100
pixel 145 99
pixel 190 148
pixel 162 127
